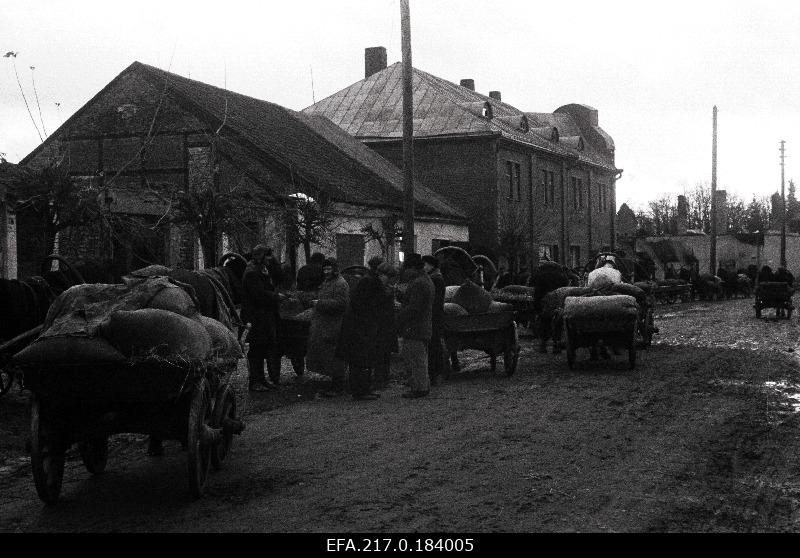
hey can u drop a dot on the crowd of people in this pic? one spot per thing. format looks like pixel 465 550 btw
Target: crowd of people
pixel 352 332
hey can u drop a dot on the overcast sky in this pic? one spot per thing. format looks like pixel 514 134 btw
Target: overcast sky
pixel 653 70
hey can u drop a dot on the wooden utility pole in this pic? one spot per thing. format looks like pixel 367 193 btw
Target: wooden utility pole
pixel 713 255
pixel 408 131
pixel 783 206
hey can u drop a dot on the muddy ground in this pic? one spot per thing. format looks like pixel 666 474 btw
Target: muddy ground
pixel 703 436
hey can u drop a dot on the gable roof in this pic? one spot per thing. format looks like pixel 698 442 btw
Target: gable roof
pixel 372 109
pixel 346 169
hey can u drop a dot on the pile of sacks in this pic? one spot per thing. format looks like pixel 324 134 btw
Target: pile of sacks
pixel 141 318
pixel 471 298
pixel 600 308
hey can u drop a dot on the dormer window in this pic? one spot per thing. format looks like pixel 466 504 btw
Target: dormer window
pixel 487 110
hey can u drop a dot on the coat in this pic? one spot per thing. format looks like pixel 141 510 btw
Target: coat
pixel 414 318
pixel 437 313
pixel 260 305
pixel 326 323
pixel 368 332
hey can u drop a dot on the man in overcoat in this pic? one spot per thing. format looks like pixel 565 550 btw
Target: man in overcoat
pixel 435 353
pixel 260 308
pixel 368 332
pixel 414 326
pixel 326 322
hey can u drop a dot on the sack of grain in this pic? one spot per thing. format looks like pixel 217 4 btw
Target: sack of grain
pixel 603 277
pixel 555 299
pixel 473 298
pixel 173 299
pixel 600 308
pixel 153 331
pixel 518 290
pixel 450 292
pixel 223 341
pixel 453 309
pixel 68 350
pixel 496 307
pixel 631 290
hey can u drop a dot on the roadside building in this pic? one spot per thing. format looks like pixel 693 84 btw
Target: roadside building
pixel 150 133
pixel 547 179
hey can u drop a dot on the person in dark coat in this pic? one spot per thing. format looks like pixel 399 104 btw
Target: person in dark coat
pixel 367 336
pixel 547 277
pixel 783 275
pixel 260 308
pixel 435 352
pixel 765 275
pixel 310 276
pixel 414 325
pixel 326 324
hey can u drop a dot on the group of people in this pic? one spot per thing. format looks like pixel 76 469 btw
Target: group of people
pixel 352 333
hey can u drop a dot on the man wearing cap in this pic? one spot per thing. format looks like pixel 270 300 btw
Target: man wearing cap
pixel 326 323
pixel 435 353
pixel 414 326
pixel 260 308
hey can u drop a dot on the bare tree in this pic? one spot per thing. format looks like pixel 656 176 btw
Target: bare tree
pixel 389 232
pixel 310 218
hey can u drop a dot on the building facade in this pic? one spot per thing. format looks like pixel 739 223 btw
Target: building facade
pixel 547 179
pixel 150 133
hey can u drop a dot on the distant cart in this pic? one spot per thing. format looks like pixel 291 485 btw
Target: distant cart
pixel 85 404
pixel 670 293
pixel 772 294
pixel 493 333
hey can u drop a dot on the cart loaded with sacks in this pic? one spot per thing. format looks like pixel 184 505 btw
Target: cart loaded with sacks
pixel 774 294
pixel 134 357
pixel 592 320
pixel 473 320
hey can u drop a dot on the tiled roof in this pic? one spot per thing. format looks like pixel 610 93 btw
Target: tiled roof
pixel 372 108
pixel 318 152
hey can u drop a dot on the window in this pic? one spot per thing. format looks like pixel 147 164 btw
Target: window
pixel 548 183
pixel 513 174
pixel 602 197
pixel 577 193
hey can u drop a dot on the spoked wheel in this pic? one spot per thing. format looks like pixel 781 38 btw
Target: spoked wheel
pixel 198 446
pixel 94 453
pixel 224 408
pixel 6 379
pixel 47 454
pixel 510 359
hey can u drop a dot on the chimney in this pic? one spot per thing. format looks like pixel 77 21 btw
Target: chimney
pixel 468 83
pixel 722 212
pixel 374 60
pixel 683 215
pixel 495 95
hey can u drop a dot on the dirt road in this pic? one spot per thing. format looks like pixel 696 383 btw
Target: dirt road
pixel 702 436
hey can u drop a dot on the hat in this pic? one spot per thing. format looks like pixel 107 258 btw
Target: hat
pixel 330 262
pixel 413 261
pixel 374 262
pixel 430 260
pixel 386 269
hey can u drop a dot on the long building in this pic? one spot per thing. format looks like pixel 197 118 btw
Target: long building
pixel 547 177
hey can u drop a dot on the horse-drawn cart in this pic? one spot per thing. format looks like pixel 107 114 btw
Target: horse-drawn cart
pixel 671 291
pixel 589 321
pixel 494 333
pixel 167 399
pixel 777 295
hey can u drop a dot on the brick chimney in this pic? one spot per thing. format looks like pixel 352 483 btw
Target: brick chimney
pixel 468 83
pixel 374 60
pixel 495 95
pixel 683 215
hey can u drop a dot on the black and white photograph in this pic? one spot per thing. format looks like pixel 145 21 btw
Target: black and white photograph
pixel 399 275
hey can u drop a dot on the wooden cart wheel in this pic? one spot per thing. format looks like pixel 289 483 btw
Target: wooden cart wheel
pixel 570 350
pixel 225 407
pixel 6 379
pixel 198 449
pixel 47 455
pixel 94 453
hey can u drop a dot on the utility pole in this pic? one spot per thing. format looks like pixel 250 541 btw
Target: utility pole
pixel 408 132
pixel 713 255
pixel 783 206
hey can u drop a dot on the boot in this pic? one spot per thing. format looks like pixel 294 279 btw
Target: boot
pixel 274 369
pixel 256 372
